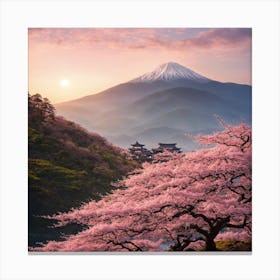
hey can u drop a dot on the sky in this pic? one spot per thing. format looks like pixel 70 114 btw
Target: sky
pixel 69 63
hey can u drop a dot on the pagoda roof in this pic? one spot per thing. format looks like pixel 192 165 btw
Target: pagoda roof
pixel 167 145
pixel 137 144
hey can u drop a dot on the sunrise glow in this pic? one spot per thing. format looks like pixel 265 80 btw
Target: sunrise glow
pixel 99 58
pixel 64 83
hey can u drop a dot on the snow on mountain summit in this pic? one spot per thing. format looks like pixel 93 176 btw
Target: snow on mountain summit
pixel 171 71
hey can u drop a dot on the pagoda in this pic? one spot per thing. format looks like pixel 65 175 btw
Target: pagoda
pixel 139 153
pixel 166 147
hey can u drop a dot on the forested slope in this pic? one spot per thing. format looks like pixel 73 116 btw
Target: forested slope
pixel 67 165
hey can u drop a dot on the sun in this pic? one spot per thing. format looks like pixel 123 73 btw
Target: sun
pixel 64 83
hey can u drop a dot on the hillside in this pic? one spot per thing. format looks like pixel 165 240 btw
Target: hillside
pixel 67 165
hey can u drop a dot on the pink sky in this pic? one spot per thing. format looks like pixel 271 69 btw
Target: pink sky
pixel 94 59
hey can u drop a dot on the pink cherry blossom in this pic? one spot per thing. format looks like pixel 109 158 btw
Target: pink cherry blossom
pixel 179 202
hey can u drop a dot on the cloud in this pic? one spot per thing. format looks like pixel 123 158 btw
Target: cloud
pixel 177 39
pixel 227 37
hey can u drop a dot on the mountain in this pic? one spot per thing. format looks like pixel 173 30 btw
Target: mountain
pixel 165 76
pixel 170 96
pixel 171 71
pixel 67 165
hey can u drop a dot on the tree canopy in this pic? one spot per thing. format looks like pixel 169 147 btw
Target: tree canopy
pixel 187 202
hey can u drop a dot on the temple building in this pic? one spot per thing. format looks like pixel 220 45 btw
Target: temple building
pixel 166 147
pixel 139 153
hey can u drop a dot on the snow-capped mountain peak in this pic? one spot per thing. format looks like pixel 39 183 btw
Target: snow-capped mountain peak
pixel 171 71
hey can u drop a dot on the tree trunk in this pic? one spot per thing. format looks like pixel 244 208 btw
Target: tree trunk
pixel 210 245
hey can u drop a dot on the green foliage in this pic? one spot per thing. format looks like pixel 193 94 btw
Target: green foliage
pixel 67 165
pixel 100 171
pixel 51 187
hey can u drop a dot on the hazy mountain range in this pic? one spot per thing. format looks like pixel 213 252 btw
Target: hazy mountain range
pixel 161 106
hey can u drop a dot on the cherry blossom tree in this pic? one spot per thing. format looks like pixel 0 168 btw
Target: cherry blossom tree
pixel 184 203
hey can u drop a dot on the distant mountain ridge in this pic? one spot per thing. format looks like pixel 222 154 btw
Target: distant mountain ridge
pixel 171 96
